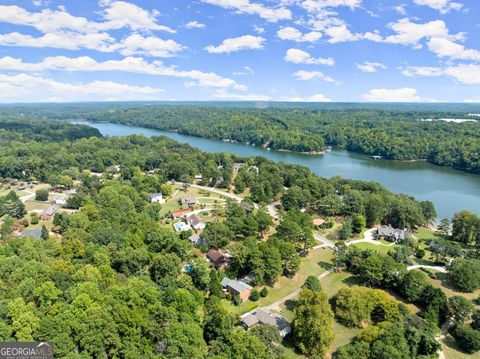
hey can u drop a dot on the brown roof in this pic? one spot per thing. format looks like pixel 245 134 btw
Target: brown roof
pixel 215 256
pixel 195 220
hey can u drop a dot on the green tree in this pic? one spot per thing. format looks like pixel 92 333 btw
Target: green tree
pixel 270 337
pixel 346 231
pixel 444 226
pixel 45 233
pixel 413 285
pixel 313 323
pixel 464 274
pixel 459 309
pixel 217 234
pixel 6 230
pixel 465 227
pixel 41 195
pixel 358 223
pixel 312 283
pixel 34 218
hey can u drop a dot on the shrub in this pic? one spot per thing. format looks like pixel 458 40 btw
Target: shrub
pixel 254 295
pixel 420 253
pixel 264 292
pixel 467 338
pixel 312 283
pixel 41 195
pixel 237 300
pixel 34 218
pixel 465 274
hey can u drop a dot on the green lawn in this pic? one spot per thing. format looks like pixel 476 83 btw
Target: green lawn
pixel 314 264
pixel 377 248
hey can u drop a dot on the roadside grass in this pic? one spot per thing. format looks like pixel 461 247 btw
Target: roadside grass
pixel 314 264
pixel 36 205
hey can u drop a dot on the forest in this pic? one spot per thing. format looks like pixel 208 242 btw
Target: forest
pixel 392 134
pixel 108 278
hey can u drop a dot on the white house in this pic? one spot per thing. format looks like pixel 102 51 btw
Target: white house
pixel 156 198
pixel 61 201
pixel 196 222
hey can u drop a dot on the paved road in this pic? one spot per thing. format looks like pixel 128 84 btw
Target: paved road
pixel 325 242
pixel 368 237
pixel 276 306
pixel 217 191
pixel 442 269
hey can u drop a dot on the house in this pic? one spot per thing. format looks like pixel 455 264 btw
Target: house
pixel 198 177
pixel 48 214
pixel 236 287
pixel 196 222
pixel 180 213
pixel 34 233
pixel 181 226
pixel 156 198
pixel 393 234
pixel 265 316
pixel 196 240
pixel 71 192
pixel 188 201
pixel 218 259
pixel 61 201
pixel 318 222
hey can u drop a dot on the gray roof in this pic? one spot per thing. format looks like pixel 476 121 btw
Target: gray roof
pixel 153 195
pixel 236 285
pixel 388 231
pixel 264 316
pixel 35 233
pixel 50 211
pixel 195 220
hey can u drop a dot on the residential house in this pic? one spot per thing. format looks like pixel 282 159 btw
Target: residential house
pixel 180 213
pixel 196 222
pixel 391 234
pixel 48 214
pixel 196 240
pixel 265 316
pixel 181 226
pixel 188 201
pixel 236 287
pixel 61 201
pixel 156 198
pixel 218 259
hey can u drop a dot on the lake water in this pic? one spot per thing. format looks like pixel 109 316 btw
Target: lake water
pixel 450 190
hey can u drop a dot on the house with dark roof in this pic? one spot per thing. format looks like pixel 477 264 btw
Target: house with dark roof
pixel 265 316
pixel 391 234
pixel 48 214
pixel 218 259
pixel 188 201
pixel 236 287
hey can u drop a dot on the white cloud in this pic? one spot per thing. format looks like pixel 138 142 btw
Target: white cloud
pixel 102 42
pixel 468 74
pixel 444 6
pixel 258 29
pixel 310 75
pixel 401 9
pixel 246 42
pixel 446 48
pixel 23 87
pixel 118 14
pixel 151 46
pixel 224 94
pixel 405 94
pixel 290 33
pixel 319 5
pixel 314 98
pixel 368 66
pixel 128 64
pixel 297 56
pixel 247 7
pixel 247 71
pixel 194 25
pixel 341 34
pixel 473 100
pixel 409 33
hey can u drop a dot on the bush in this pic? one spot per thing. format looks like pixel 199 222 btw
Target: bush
pixel 465 274
pixel 34 218
pixel 420 253
pixel 237 300
pixel 41 195
pixel 264 292
pixel 312 283
pixel 254 295
pixel 467 338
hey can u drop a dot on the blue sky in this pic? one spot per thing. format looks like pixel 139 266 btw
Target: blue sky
pixel 283 50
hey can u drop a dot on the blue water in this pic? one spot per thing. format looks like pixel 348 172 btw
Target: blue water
pixel 450 190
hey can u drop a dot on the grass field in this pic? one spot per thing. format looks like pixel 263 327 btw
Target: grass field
pixel 451 350
pixel 440 281
pixel 376 248
pixel 314 264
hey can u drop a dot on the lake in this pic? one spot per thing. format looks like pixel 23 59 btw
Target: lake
pixel 450 190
